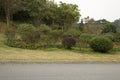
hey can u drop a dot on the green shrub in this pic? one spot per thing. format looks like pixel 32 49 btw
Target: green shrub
pixel 72 32
pixel 68 42
pixel 44 29
pixel 117 37
pixel 28 33
pixel 10 34
pixel 110 36
pixel 11 43
pixel 46 41
pixel 101 44
pixel 109 28
pixel 84 39
pixel 55 37
pixel 56 34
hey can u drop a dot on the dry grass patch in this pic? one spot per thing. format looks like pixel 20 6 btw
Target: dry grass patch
pixel 21 55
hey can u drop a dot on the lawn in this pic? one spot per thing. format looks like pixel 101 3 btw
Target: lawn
pixel 9 54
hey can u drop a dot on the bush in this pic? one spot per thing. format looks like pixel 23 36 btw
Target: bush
pixel 10 34
pixel 28 33
pixel 68 42
pixel 84 39
pixel 101 44
pixel 44 29
pixel 109 28
pixel 55 36
pixel 117 37
pixel 110 36
pixel 72 32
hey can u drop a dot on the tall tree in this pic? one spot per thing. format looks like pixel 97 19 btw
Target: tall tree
pixel 68 13
pixel 50 14
pixel 8 6
pixel 35 8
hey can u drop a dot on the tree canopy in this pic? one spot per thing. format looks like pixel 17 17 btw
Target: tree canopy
pixel 40 11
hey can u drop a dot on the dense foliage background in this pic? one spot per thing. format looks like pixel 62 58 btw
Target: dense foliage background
pixel 42 23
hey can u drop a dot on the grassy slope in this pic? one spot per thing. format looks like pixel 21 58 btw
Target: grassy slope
pixel 9 54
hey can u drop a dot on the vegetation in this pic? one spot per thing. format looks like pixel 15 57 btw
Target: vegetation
pixel 68 42
pixel 84 40
pixel 45 25
pixel 11 54
pixel 101 44
pixel 109 28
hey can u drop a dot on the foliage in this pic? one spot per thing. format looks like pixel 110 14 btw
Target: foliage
pixel 9 8
pixel 51 13
pixel 32 9
pixel 44 29
pixel 101 44
pixel 117 37
pixel 72 32
pixel 117 23
pixel 92 28
pixel 110 36
pixel 68 42
pixel 84 39
pixel 10 33
pixel 56 35
pixel 69 13
pixel 109 28
pixel 46 12
pixel 28 33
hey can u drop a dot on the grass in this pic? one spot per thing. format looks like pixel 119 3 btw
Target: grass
pixel 10 54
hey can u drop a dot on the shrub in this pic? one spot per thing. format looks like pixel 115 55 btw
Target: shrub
pixel 28 33
pixel 55 36
pixel 44 29
pixel 68 42
pixel 110 36
pixel 101 44
pixel 72 32
pixel 46 41
pixel 10 32
pixel 84 39
pixel 109 28
pixel 117 37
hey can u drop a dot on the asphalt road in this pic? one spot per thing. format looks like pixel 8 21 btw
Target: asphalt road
pixel 59 71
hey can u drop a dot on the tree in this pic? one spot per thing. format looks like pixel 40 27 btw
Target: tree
pixel 50 14
pixel 81 25
pixel 8 6
pixel 109 28
pixel 35 9
pixel 41 12
pixel 67 14
pixel 117 23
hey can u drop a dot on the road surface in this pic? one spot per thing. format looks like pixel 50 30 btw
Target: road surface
pixel 81 71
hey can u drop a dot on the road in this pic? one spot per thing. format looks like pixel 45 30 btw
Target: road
pixel 61 71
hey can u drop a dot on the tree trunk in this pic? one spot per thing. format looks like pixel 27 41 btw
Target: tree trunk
pixel 8 17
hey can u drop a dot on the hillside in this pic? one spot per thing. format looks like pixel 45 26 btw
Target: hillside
pixel 9 54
